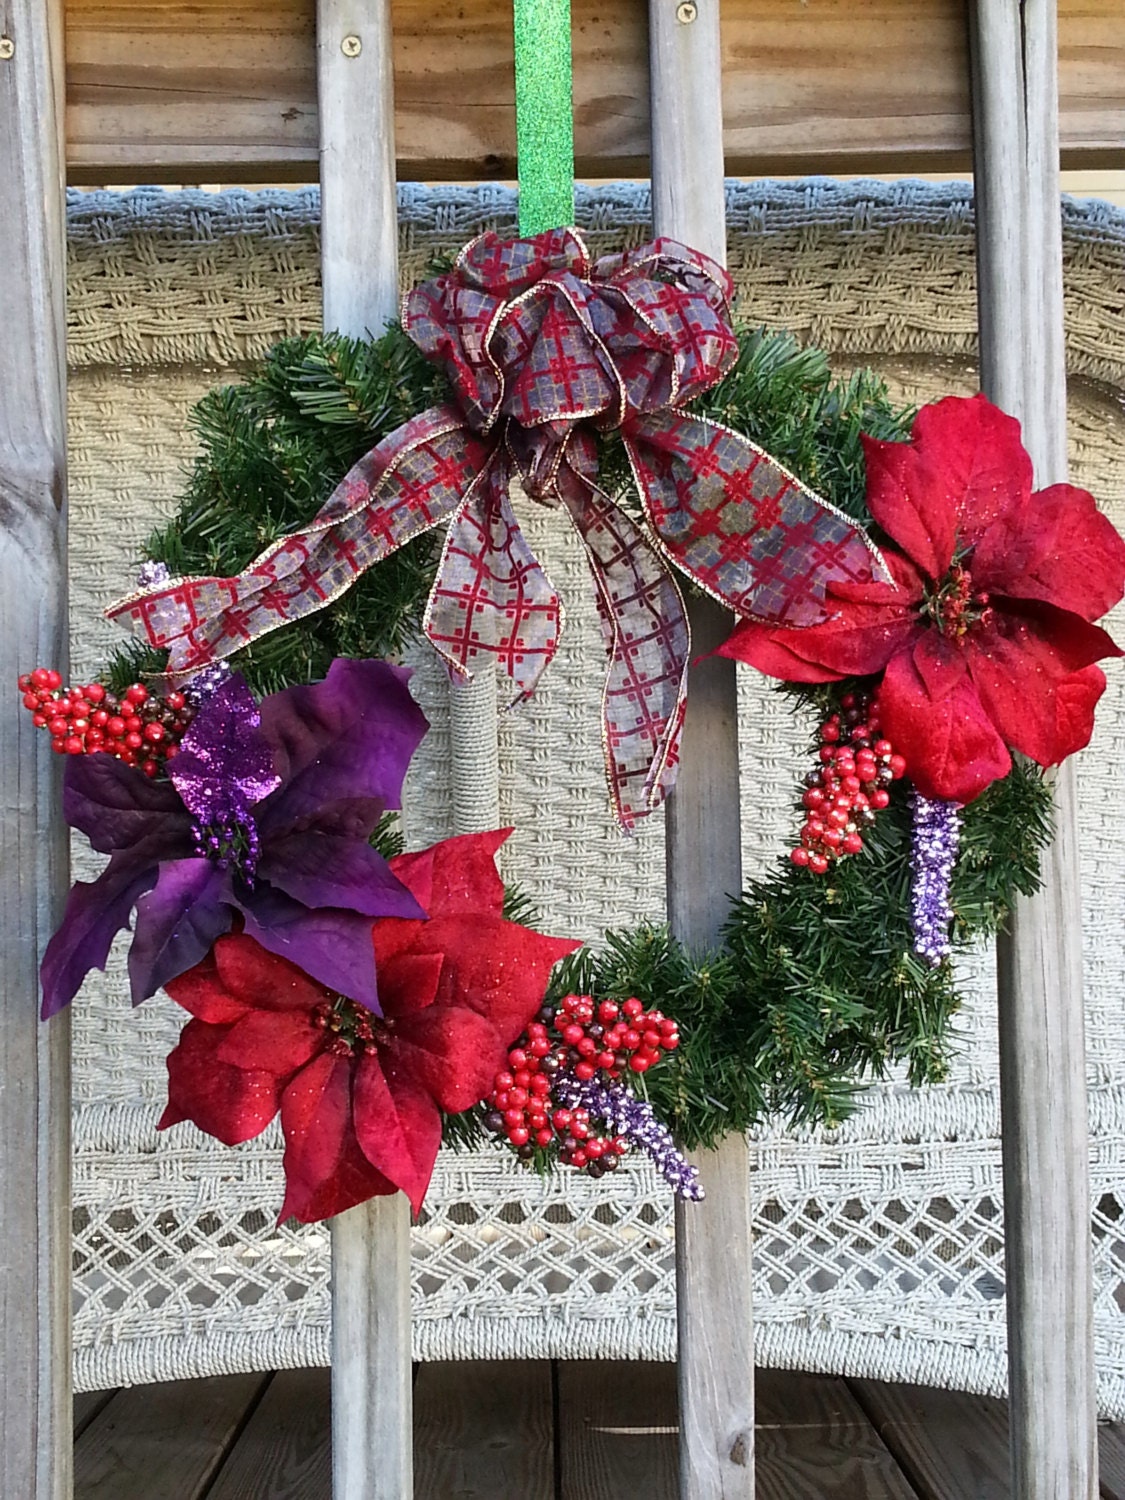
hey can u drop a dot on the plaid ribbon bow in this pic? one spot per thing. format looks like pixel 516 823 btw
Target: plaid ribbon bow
pixel 544 350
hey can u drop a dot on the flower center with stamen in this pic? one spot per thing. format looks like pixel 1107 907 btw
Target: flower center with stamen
pixel 953 606
pixel 228 838
pixel 353 1030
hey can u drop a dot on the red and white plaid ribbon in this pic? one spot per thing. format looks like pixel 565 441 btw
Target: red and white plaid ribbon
pixel 544 350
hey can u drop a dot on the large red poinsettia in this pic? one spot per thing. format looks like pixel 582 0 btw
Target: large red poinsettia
pixel 361 1095
pixel 985 638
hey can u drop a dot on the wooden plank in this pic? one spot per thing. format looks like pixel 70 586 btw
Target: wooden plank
pixel 484 1430
pixel 617 1430
pixel 813 1439
pixel 714 1298
pixel 285 1450
pixel 372 1450
pixel 1039 958
pixel 35 1400
pixel 1111 1460
pixel 87 1405
pixel 162 92
pixel 163 1442
pixel 950 1445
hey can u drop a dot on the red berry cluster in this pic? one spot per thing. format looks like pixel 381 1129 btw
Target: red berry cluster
pixel 857 766
pixel 582 1037
pixel 142 729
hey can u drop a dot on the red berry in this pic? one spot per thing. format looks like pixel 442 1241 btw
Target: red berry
pixel 175 702
pixel 57 726
pixel 817 864
pixel 800 857
pixel 584 1071
pixel 830 733
pixel 519 1136
pixel 151 768
pixel 41 678
pixel 633 1008
pixel 640 1062
pixel 59 747
pixel 39 720
pixel 73 745
pixel 54 680
pixel 606 1060
pixel 608 1011
pixel 544 1137
pixel 898 766
pixel 880 798
pixel 852 844
pixel 561 1119
pixel 154 733
pixel 24 683
pixel 517 1058
pixel 673 1041
pixel 572 1034
pixel 116 726
pixel 31 700
pixel 513 1117
pixel 138 693
pixel 578 1158
pixel 94 692
pixel 134 740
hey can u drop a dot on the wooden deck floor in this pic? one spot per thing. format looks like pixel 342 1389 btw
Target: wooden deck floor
pixel 543 1431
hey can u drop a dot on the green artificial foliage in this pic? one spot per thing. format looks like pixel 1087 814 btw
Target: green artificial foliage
pixel 816 988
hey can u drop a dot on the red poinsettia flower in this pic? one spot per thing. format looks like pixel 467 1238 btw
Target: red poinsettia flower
pixel 985 638
pixel 361 1095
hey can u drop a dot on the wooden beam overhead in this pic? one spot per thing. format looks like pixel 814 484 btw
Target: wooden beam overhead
pixel 225 90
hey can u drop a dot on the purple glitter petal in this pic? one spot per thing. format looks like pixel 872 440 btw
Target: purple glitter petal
pixel 224 756
pixel 634 1119
pixel 933 853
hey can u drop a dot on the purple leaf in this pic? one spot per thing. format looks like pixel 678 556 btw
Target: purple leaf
pixel 349 737
pixel 117 807
pixel 96 911
pixel 224 759
pixel 177 921
pixel 333 945
pixel 322 869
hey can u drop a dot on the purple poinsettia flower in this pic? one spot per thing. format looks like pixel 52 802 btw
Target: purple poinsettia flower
pixel 264 825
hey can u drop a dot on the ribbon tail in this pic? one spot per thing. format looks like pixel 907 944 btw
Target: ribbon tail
pixel 648 642
pixel 742 527
pixel 491 597
pixel 411 481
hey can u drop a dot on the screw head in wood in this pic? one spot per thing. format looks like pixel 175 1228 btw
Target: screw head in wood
pixel 7 48
pixel 351 46
pixel 686 12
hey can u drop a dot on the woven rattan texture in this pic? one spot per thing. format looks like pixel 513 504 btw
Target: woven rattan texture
pixel 879 1248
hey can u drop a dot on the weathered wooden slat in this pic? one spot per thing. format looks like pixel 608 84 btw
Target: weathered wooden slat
pixel 617 1430
pixel 371 1357
pixel 285 1450
pixel 35 1397
pixel 950 1445
pixel 814 1439
pixel 161 92
pixel 163 1442
pixel 1039 958
pixel 484 1430
pixel 704 857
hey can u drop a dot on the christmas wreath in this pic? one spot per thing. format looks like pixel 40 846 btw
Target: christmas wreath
pixel 926 609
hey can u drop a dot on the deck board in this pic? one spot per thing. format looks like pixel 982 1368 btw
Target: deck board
pixel 814 1439
pixel 617 1430
pixel 285 1450
pixel 484 1430
pixel 952 1446
pixel 530 1430
pixel 162 1442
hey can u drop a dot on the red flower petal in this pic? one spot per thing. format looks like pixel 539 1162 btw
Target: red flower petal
pixel 398 1127
pixel 951 748
pixel 261 979
pixel 201 991
pixel 1057 547
pixel 232 1104
pixel 316 1116
pixel 452 1052
pixel 407 981
pixel 1017 665
pixel 275 1042
pixel 963 468
pixel 773 651
pixel 498 969
pixel 1075 700
pixel 457 877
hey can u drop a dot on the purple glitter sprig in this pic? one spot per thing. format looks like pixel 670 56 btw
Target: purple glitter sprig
pixel 933 853
pixel 633 1118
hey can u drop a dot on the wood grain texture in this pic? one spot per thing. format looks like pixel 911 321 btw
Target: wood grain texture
pixel 285 1450
pixel 1039 957
pixel 617 1430
pixel 35 1398
pixel 87 1405
pixel 163 1442
pixel 372 1448
pixel 484 1430
pixel 950 1445
pixel 714 1298
pixel 227 90
pixel 814 1440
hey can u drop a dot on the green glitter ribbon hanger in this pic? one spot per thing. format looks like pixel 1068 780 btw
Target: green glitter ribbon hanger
pixel 544 115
